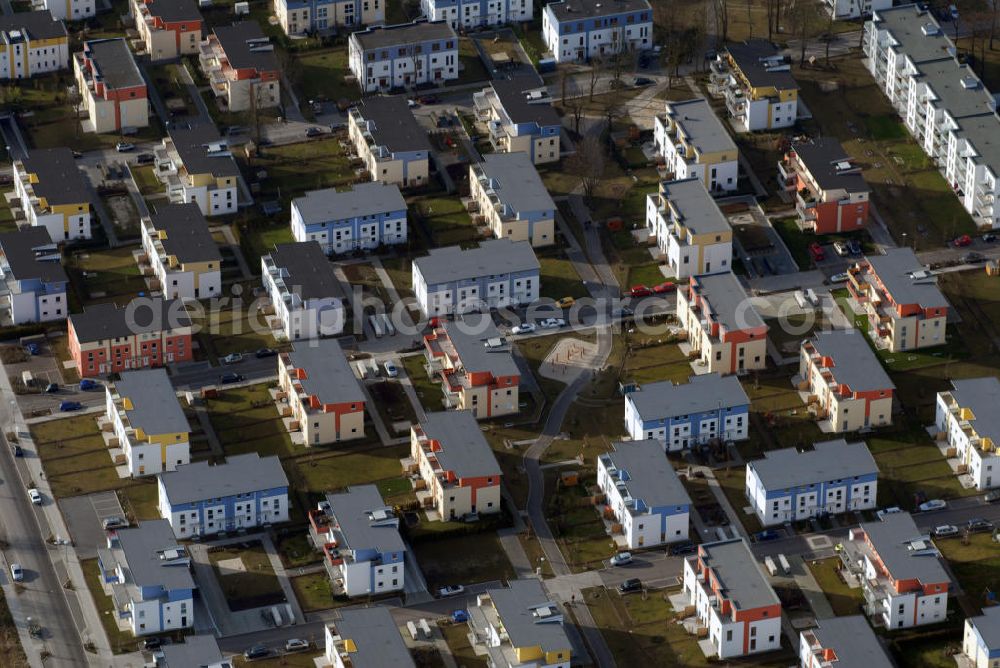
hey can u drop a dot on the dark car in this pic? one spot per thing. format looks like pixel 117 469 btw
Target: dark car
pixel 231 378
pixel 642 81
pixel 88 384
pixel 765 535
pixel 428 99
pixel 256 652
pixel 314 132
pixel 979 525
pixel 992 497
pixel 687 547
pixel 145 159
pixel 33 348
pixel 854 246
pixel 630 585
pixel 266 352
pixel 68 406
pixel 152 643
pixel 973 258
pixel 17 450
pixel 52 388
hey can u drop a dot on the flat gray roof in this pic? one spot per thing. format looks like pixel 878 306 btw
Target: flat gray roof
pixel 695 207
pixel 650 478
pixel 829 460
pixel 983 132
pixel 468 334
pixel 959 90
pixel 575 10
pixel 25 250
pixel 242 474
pixel 701 126
pixel 517 182
pixel 982 396
pixel 707 392
pixel 393 124
pixel 174 10
pixel 108 321
pixel 753 56
pixel 141 546
pixel 198 651
pixel 364 199
pixel 187 235
pixel 512 94
pixel 907 553
pixel 739 574
pixel 853 641
pixel 988 626
pixel 917 32
pixel 895 268
pixel 59 179
pixel 493 257
pixel 328 374
pixel 728 301
pixel 247 47
pixel 401 34
pixel 376 638
pixel 114 63
pixel 854 363
pixel 464 449
pixel 155 408
pixel 516 606
pixel 202 149
pixel 351 510
pixel 822 157
pixel 308 269
pixel 35 25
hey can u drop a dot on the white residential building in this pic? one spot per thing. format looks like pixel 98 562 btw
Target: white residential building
pixel 690 230
pixel 195 165
pixel 519 625
pixel 842 642
pixel 842 10
pixel 579 30
pixel 304 292
pixel 404 55
pixel 181 253
pixel 32 43
pixel 362 637
pixel 981 639
pixel 756 80
pixel 53 194
pixel 33 278
pixel 68 10
pixel 694 144
pixel 365 217
pixel 464 14
pixel 968 416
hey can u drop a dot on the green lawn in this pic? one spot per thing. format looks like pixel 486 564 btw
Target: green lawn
pixel 145 178
pixel 654 362
pixel 255 585
pixel 445 220
pixel 321 75
pixel 559 279
pixel 74 456
pixel 246 420
pixel 293 169
pixel 462 559
pixel 258 236
pixel 795 239
pixel 343 468
pixel 844 600
pixel 103 275
pixel 909 462
pixel 471 68
pixel 314 592
pixel 296 550
pixel 428 390
pixel 645 274
pixel 228 330
pixel 975 562
pixel 456 635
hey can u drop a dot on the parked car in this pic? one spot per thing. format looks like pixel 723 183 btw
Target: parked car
pixel 642 81
pixel 459 616
pixel 841 248
pixel 565 302
pixel 231 378
pixel 945 530
pixel 16 572
pixel 69 406
pixel 891 510
pixel 992 497
pixel 32 348
pixel 52 388
pixel 232 358
pixel 621 559
pixel 314 131
pixel 145 159
pixel 114 522
pixel 682 548
pixel 953 12
pixel 972 257
pixel 766 535
pixel 639 291
pixel 296 645
pixel 152 643
pixel 839 278
pixel 35 496
pixel 17 450
pixel 266 352
pixel 979 525
pixel 428 99
pixel 451 590
pixel 523 328
pixel 256 652
pixel 552 323
pixel 933 504
pixel 963 241
pixel 664 287
pixel 630 585
pixel 816 251
pixel 391 370
pixel 124 147
pixel 88 384
pixel 989 238
pixel 854 246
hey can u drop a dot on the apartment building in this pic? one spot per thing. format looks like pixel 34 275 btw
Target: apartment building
pixel 196 650
pixel 53 194
pixel 905 308
pixel 167 28
pixel 362 637
pixel 358 534
pixel 722 326
pixel 327 403
pixel 365 217
pixel 691 233
pixel 180 253
pixel 843 10
pixel 838 642
pixel 453 280
pixel 509 196
pixel 465 14
pixel 643 494
pixel 757 82
pixel 389 141
pixel 112 91
pixel 902 577
pixel 460 472
pixel 302 17
pixel 845 381
pixel 695 145
pixel 147 574
pixel 680 416
pixel 834 477
pixel 149 332
pixel 981 639
pixel 580 30
pixel 34 282
pixel 245 492
pixel 831 195
pixel 32 43
pixel 967 417
pixel 476 366
pixel 147 422
pixel 733 599
pixel 195 165
pixel 403 56
pixel 519 625
pixel 241 66
pixel 519 115
pixel 304 292
pixel 69 10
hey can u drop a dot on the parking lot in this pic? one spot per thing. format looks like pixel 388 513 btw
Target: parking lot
pixel 84 515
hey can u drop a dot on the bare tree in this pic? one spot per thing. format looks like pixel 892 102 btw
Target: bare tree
pixel 575 106
pixel 806 19
pixel 596 65
pixel 773 9
pixel 612 110
pixel 74 100
pixel 720 8
pixel 588 163
pixel 994 10
pixel 562 87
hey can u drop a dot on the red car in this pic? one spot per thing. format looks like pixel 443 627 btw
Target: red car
pixel 962 241
pixel 664 287
pixel 816 251
pixel 640 291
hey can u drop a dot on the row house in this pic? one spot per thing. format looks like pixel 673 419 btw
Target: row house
pixel 304 292
pixel 304 17
pixel 643 494
pixel 519 625
pixel 240 63
pixel 695 145
pixel 149 332
pixel 756 80
pixel 901 299
pixel 581 30
pixel 981 639
pixel 903 579
pixel 460 473
pixel 733 599
pixel 67 10
pixel 691 233
pixel 361 637
pixel 365 217
pixel 53 194
pixel 194 164
pixel 325 401
pixel 476 367
pixel 838 642
pixel 245 492
pixel 180 253
pixel 147 574
pixel 147 422
pixel 197 650
pixel 403 56
pixel 845 381
pixel 32 43
pixel 508 194
pixel 834 477
pixel 112 89
pixel 466 14
pixel 519 115
pixel 456 280
pixel 680 416
pixel 363 552
pixel 33 279
pixel 722 326
pixel 967 418
pixel 845 10
pixel 831 195
pixel 168 28
pixel 390 143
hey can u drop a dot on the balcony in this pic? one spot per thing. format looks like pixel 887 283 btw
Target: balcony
pixel 788 174
pixel 736 101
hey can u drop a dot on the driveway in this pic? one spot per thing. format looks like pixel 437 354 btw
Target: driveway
pixel 83 517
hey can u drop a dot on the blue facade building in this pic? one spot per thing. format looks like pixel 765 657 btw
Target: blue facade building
pixel 473 13
pixel 366 217
pixel 578 30
pixel 307 16
pixel 404 55
pixel 35 281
